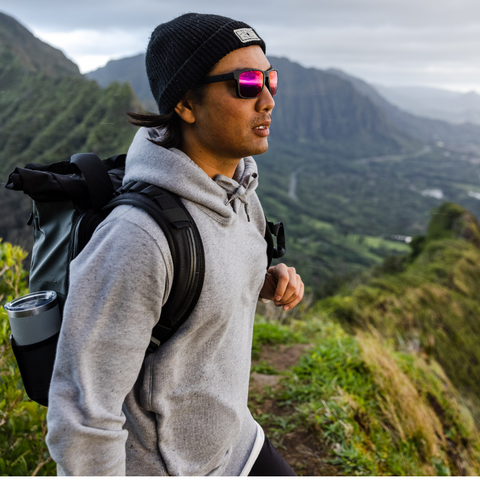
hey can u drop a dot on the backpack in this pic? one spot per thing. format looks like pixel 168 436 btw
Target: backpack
pixel 70 199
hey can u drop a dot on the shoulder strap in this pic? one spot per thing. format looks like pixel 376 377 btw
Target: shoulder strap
pixel 186 249
pixel 100 186
pixel 278 231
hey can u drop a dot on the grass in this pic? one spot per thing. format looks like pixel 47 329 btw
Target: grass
pixel 430 304
pixel 370 410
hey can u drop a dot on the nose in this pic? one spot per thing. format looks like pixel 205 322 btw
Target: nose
pixel 265 101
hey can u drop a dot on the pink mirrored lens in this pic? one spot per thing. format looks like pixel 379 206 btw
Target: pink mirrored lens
pixel 250 83
pixel 273 82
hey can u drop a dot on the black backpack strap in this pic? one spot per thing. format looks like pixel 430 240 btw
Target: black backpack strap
pixel 100 186
pixel 277 230
pixel 186 248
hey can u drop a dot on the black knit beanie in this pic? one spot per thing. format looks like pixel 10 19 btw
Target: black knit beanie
pixel 181 52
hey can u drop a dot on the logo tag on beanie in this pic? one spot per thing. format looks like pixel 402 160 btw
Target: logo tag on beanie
pixel 246 34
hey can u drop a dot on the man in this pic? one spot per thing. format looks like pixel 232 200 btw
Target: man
pixel 182 410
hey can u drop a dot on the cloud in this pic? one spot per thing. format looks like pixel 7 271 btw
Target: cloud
pixel 98 14
pixel 91 49
pixel 404 42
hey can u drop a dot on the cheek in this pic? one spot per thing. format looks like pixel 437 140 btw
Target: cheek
pixel 225 123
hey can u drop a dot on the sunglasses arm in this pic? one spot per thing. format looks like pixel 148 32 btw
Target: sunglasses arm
pixel 218 78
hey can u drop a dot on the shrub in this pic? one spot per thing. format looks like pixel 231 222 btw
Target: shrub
pixel 22 422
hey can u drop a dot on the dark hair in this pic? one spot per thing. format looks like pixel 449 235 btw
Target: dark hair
pixel 170 122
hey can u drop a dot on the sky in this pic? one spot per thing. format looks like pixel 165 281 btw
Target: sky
pixel 432 43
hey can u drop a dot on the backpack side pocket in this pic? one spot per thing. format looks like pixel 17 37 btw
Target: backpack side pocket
pixel 35 363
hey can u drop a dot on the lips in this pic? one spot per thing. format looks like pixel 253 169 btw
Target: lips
pixel 263 129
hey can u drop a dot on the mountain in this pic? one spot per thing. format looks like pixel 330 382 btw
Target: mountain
pixel 465 138
pixel 315 107
pixel 453 107
pixel 49 111
pixel 21 50
pixel 129 69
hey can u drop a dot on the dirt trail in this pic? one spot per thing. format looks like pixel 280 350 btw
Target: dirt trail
pixel 302 449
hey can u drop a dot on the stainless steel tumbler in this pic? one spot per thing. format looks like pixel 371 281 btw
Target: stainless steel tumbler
pixel 34 317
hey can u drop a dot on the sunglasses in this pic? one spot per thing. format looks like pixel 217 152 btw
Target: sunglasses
pixel 250 82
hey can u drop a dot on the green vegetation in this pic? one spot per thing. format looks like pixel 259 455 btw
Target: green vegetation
pixel 347 208
pixel 45 119
pixel 22 422
pixel 48 111
pixel 388 383
pixel 427 301
pixel 357 406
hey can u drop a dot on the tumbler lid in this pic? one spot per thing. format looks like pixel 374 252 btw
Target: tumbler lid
pixel 32 304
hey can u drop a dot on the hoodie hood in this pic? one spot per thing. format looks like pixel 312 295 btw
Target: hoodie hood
pixel 173 170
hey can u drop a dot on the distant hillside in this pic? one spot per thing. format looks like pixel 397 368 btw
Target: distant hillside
pixel 48 111
pixel 130 69
pixel 453 107
pixel 19 48
pixel 465 138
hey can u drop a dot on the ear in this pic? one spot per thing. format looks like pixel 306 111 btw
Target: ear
pixel 184 110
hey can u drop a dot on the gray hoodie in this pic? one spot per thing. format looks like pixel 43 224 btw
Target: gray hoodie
pixel 182 410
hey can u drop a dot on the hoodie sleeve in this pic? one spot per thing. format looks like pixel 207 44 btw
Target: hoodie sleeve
pixel 117 288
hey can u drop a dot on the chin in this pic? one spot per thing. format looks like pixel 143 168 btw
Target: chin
pixel 259 149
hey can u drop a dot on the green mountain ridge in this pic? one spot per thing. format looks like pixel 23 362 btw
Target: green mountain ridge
pixel 427 300
pixel 48 111
pixel 19 48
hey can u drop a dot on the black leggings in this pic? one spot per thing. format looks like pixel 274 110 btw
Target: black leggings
pixel 270 463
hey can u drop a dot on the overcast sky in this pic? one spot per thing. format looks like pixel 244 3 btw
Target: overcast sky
pixel 389 42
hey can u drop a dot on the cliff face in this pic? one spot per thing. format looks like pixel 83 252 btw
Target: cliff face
pixel 316 106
